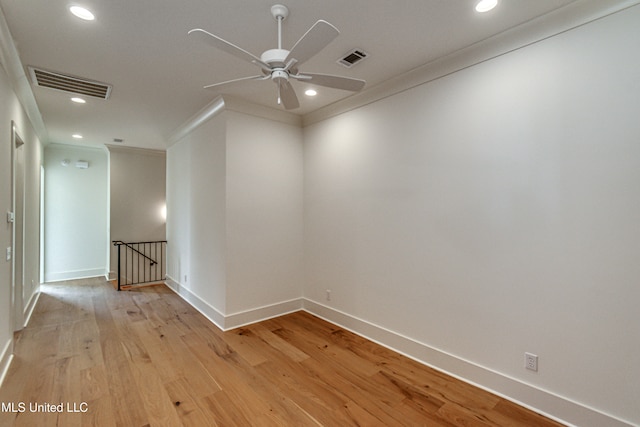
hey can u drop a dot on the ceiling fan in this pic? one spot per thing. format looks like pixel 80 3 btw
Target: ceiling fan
pixel 280 65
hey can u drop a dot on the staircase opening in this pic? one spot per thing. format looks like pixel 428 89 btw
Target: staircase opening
pixel 140 263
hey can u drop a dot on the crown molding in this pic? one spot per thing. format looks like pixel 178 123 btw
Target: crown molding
pixel 553 23
pixel 210 110
pixel 242 106
pixel 135 150
pixel 10 60
pixel 228 103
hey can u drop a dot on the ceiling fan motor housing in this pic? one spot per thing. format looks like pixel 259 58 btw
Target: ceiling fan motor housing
pixel 275 57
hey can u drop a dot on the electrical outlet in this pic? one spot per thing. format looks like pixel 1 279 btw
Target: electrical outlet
pixel 328 295
pixel 531 362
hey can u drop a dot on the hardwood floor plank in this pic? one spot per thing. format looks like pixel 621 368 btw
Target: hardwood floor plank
pixel 247 345
pixel 439 385
pixel 412 413
pixel 125 397
pixel 78 340
pixel 159 408
pixel 460 416
pixel 66 390
pixel 187 408
pixel 224 412
pixel 93 383
pixel 224 370
pixel 201 383
pixel 144 357
pixel 318 401
pixel 423 401
pixel 358 415
pixel 508 412
pixel 99 413
pixel 279 344
pixel 157 351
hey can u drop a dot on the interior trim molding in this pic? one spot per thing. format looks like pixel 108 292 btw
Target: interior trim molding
pixel 74 275
pixel 13 66
pixel 551 24
pixel 31 305
pixel 206 309
pixel 242 106
pixel 5 359
pixel 136 150
pixel 247 317
pixel 221 104
pixel 210 110
pixel 551 405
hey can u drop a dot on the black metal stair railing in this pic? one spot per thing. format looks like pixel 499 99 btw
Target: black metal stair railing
pixel 140 262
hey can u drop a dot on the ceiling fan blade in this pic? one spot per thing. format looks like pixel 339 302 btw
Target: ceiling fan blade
pixel 288 96
pixel 215 41
pixel 313 41
pixel 242 79
pixel 328 80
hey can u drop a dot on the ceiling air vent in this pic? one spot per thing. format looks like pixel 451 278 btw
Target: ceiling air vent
pixel 352 58
pixel 68 83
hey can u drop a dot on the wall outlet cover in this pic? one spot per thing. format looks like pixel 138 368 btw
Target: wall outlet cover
pixel 531 361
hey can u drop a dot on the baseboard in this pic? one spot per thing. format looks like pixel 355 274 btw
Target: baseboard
pixel 196 302
pixel 73 275
pixel 259 314
pixel 31 305
pixel 556 407
pixel 235 320
pixel 5 359
pixel 7 352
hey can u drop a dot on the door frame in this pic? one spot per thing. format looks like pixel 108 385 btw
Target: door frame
pixel 17 229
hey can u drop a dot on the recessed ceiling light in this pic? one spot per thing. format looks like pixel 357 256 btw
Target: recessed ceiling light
pixel 486 5
pixel 78 100
pixel 310 92
pixel 82 13
pixel 77 136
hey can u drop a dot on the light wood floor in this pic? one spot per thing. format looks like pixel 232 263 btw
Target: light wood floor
pixel 146 358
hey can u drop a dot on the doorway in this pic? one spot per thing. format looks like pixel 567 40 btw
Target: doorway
pixel 18 196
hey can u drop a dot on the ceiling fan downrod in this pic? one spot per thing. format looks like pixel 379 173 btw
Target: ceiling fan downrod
pixel 280 13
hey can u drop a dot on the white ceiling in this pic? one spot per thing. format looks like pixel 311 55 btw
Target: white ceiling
pixel 141 47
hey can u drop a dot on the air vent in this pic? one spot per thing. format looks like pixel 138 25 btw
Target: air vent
pixel 352 58
pixel 68 83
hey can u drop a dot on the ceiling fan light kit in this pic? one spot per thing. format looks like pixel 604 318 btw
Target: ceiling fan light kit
pixel 279 65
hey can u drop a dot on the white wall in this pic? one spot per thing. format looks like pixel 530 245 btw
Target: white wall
pixel 234 196
pixel 178 211
pixel 196 217
pixel 137 186
pixel 492 212
pixel 11 110
pixel 264 212
pixel 76 213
